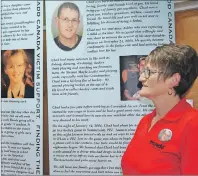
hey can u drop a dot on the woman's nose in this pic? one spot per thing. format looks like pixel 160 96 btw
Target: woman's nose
pixel 15 69
pixel 142 77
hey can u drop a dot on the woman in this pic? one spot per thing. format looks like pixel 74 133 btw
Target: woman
pixel 165 141
pixel 16 77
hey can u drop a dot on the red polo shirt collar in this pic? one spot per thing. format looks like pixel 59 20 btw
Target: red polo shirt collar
pixel 176 112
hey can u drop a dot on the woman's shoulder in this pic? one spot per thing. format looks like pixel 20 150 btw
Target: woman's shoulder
pixel 189 120
pixel 4 92
pixel 29 91
pixel 192 117
pixel 190 123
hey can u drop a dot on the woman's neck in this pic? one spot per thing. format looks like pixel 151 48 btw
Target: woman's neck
pixel 164 105
pixel 15 88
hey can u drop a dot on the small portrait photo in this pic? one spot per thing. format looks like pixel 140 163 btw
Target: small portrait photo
pixel 130 69
pixel 67 26
pixel 17 73
pixel 165 135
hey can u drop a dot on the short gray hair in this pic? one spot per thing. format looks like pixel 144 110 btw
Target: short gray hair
pixel 173 58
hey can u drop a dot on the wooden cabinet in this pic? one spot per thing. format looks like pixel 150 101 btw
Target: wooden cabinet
pixel 186 24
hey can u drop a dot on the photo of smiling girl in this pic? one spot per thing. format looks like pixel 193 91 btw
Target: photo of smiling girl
pixel 17 74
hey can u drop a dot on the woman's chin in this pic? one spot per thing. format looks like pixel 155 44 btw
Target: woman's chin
pixel 143 93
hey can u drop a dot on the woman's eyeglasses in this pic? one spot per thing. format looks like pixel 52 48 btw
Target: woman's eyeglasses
pixel 147 72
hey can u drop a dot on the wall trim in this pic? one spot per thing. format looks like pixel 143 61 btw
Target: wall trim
pixel 185 5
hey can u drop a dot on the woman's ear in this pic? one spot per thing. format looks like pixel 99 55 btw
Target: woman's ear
pixel 175 79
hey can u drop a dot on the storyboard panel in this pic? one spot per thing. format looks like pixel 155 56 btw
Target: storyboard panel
pixel 21 87
pixel 94 53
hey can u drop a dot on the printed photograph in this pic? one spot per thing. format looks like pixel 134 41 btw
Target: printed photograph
pixel 67 28
pixel 165 135
pixel 130 69
pixel 17 73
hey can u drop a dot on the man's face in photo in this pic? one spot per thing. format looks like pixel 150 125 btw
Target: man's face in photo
pixel 67 23
pixel 132 67
pixel 141 65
